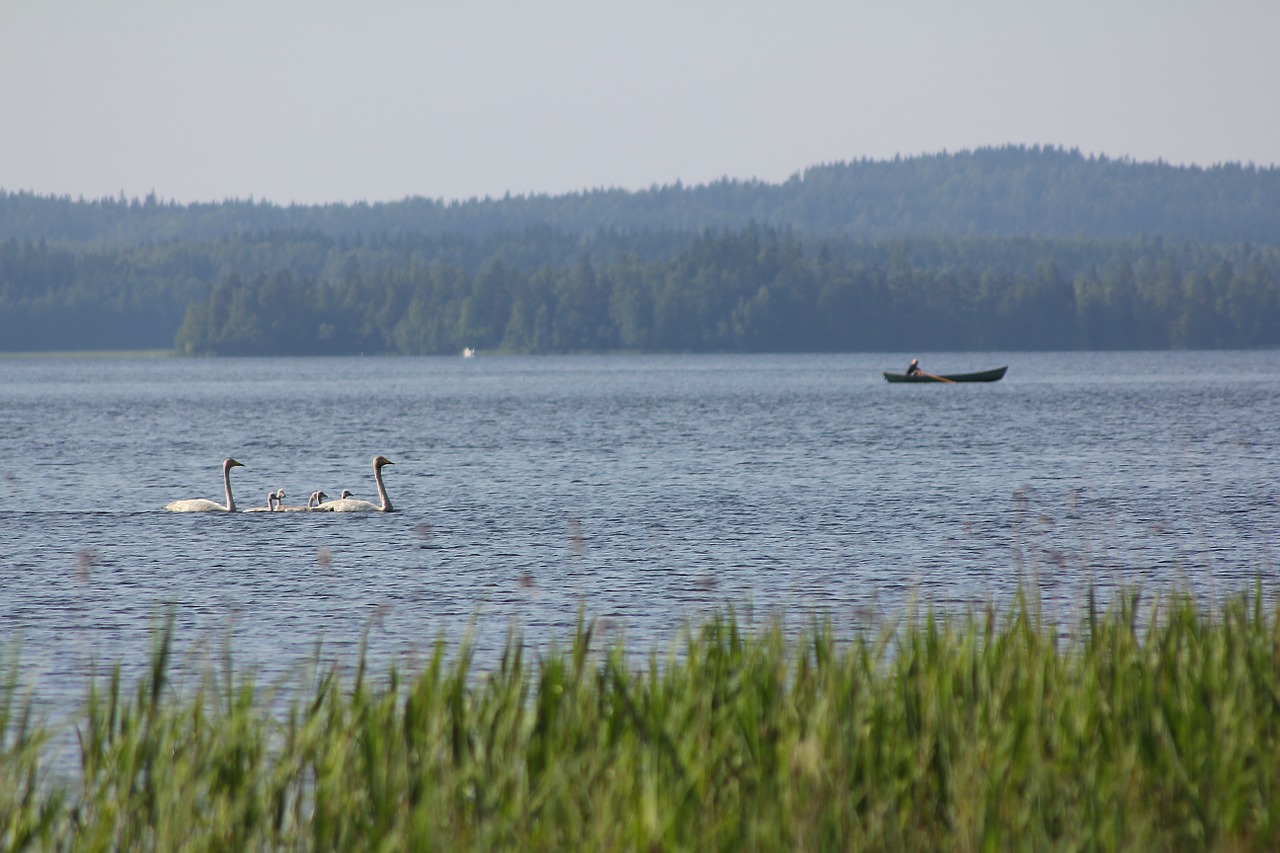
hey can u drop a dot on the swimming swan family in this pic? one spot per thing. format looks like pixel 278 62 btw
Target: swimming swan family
pixel 317 502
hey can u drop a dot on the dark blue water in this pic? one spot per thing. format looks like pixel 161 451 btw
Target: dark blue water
pixel 643 491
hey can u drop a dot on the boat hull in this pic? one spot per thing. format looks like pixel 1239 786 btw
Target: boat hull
pixel 981 376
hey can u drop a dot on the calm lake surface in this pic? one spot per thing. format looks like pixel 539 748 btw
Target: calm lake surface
pixel 644 491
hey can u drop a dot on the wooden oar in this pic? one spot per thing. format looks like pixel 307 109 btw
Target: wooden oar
pixel 939 378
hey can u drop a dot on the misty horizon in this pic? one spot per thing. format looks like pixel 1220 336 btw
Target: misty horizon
pixel 325 103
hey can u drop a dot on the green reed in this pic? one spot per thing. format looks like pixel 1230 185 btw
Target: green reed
pixel 1149 725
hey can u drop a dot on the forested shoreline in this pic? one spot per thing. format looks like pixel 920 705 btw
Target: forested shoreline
pixel 1010 248
pixel 758 291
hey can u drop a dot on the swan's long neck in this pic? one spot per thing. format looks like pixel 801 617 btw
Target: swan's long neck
pixel 382 490
pixel 226 483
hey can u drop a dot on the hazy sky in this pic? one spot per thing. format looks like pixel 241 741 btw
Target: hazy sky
pixel 380 99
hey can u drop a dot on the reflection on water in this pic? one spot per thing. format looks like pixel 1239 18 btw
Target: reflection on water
pixel 643 491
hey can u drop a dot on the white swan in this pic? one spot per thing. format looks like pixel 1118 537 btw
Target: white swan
pixel 273 502
pixel 316 498
pixel 203 505
pixel 356 505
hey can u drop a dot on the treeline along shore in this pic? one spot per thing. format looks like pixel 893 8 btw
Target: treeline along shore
pixel 1004 248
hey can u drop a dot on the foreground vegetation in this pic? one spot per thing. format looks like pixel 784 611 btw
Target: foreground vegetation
pixel 983 732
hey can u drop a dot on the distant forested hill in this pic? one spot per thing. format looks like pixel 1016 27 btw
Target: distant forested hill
pixel 1009 191
pixel 1008 248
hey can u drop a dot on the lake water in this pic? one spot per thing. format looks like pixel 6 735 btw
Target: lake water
pixel 645 491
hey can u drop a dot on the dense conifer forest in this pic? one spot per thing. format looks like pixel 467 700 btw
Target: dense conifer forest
pixel 1002 248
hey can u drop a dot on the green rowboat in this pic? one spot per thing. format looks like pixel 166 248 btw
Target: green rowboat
pixel 981 376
